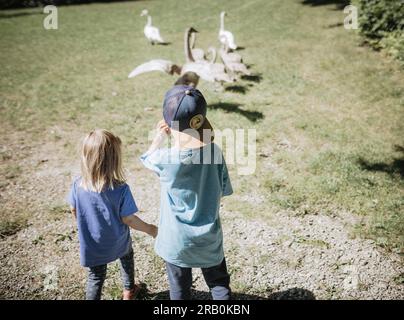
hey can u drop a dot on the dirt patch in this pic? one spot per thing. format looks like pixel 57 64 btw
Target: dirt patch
pixel 281 257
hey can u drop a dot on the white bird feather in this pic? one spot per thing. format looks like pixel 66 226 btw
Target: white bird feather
pixel 155 65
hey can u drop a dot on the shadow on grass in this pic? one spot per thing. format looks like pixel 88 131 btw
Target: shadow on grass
pixel 292 294
pixel 4 15
pixel 237 89
pixel 340 4
pixel 393 168
pixel 233 107
pixel 253 77
pixel 289 294
pixel 335 25
pixel 6 5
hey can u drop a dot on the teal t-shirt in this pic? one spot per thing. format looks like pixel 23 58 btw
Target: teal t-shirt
pixel 192 184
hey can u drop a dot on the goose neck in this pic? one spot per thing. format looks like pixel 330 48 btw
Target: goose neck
pixel 222 21
pixel 187 47
pixel 192 41
pixel 213 53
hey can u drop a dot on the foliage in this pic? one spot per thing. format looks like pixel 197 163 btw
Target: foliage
pixel 382 24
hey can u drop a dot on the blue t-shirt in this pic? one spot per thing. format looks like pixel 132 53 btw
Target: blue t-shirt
pixel 190 233
pixel 102 234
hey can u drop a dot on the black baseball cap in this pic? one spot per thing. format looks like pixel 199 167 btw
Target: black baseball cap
pixel 184 108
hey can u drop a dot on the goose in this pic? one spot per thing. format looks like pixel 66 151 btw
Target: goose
pixel 218 67
pixel 207 71
pixel 232 65
pixel 231 56
pixel 152 33
pixel 224 35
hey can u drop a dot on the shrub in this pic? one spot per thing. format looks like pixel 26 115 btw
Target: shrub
pixel 381 22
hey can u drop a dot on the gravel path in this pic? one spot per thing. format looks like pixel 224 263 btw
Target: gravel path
pixel 284 257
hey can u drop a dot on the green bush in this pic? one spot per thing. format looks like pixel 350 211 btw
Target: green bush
pixel 381 22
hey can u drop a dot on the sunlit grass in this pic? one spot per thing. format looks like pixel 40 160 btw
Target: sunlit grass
pixel 328 113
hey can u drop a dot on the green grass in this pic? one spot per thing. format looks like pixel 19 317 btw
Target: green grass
pixel 58 212
pixel 9 227
pixel 337 104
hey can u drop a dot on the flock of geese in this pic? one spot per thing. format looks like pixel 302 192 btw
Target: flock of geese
pixel 199 64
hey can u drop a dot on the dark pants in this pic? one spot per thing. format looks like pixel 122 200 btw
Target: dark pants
pixel 180 279
pixel 97 275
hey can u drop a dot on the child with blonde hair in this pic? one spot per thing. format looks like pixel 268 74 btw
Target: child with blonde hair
pixel 104 208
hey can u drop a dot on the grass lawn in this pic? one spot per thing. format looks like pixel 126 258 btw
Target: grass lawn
pixel 328 112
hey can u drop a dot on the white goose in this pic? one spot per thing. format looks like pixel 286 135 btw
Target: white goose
pixel 207 71
pixel 152 33
pixel 224 35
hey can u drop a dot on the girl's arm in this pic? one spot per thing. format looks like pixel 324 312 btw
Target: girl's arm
pixel 138 224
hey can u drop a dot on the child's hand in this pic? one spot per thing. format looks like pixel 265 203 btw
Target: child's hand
pixel 153 231
pixel 162 129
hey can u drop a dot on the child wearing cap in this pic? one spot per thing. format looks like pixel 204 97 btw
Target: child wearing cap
pixel 193 178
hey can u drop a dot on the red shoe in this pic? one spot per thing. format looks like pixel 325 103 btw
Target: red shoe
pixel 131 294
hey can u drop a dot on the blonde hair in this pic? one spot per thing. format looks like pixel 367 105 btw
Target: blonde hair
pixel 101 164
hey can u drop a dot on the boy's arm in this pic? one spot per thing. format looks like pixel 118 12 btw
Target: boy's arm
pixel 138 224
pixel 73 211
pixel 162 131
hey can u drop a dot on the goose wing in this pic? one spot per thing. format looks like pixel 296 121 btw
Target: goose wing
pixel 208 71
pixel 155 65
